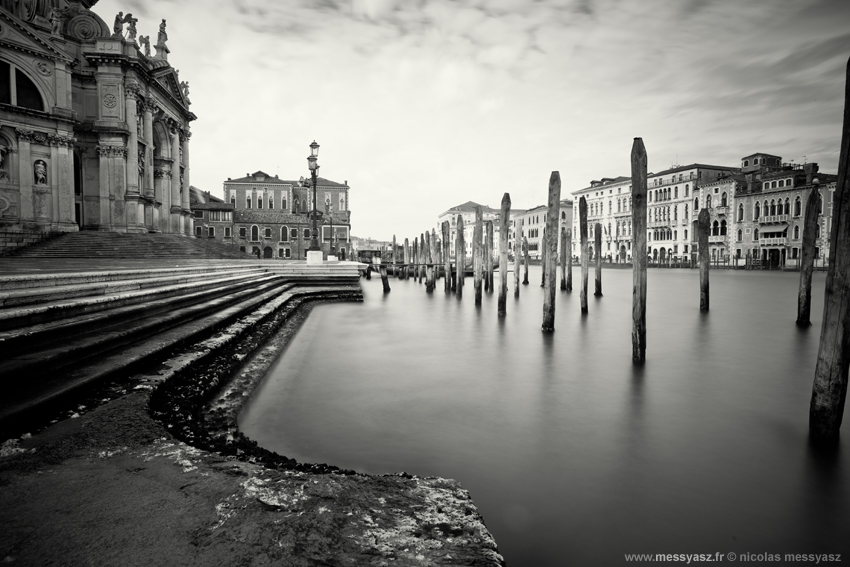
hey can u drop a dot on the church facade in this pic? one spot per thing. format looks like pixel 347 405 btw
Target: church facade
pixel 94 129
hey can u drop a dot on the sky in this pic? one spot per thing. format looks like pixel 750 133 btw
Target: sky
pixel 421 105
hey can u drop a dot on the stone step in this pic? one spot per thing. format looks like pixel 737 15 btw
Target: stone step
pixel 12 317
pixel 32 281
pixel 37 357
pixel 28 400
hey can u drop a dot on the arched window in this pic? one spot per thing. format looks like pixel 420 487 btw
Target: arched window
pixel 772 207
pixel 675 192
pixel 756 234
pixel 676 212
pixel 686 190
pixel 284 234
pixel 797 204
pixel 723 199
pixel 782 183
pixel 817 231
pixel 283 203
pixel 696 204
pixel 723 228
pixel 765 208
pixel 708 201
pixel 686 212
pixel 233 201
pixel 796 232
pixel 787 210
pixel 255 233
pixel 17 89
pixel 686 233
pixel 260 202
pixel 247 202
pixel 741 212
pixel 740 235
pixel 304 205
pixel 715 229
pixel 271 202
pixel 746 163
pixel 610 205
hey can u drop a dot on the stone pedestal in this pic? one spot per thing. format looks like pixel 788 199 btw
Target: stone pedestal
pixel 314 257
pixel 332 258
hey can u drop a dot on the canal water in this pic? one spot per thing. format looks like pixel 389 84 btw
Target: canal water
pixel 573 455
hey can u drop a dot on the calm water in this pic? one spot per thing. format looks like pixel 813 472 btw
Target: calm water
pixel 572 455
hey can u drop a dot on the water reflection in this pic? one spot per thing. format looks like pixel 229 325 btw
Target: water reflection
pixel 573 454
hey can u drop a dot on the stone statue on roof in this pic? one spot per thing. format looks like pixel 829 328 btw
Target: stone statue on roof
pixel 118 25
pixel 132 27
pixel 145 40
pixel 162 37
pixel 184 88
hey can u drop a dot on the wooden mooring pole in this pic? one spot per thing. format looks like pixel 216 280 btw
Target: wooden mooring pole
pixel 488 256
pixel 517 259
pixel 704 261
pixel 436 256
pixel 406 269
pixel 384 279
pixel 478 252
pixel 582 230
pixel 550 251
pixel 562 258
pixel 525 260
pixel 807 257
pixel 543 258
pixel 829 390
pixel 638 163
pixel 597 241
pixel 395 260
pixel 429 263
pixel 569 260
pixel 447 259
pixel 459 256
pixel 503 253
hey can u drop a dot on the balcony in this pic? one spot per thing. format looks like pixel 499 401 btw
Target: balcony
pixel 658 224
pixel 770 219
pixel 720 238
pixel 773 241
pixel 722 210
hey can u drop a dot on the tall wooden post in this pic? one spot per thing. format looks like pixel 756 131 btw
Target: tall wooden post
pixel 582 230
pixel 830 386
pixel 503 253
pixel 517 258
pixel 406 269
pixel 395 260
pixel 422 258
pixel 525 260
pixel 550 251
pixel 447 259
pixel 488 256
pixel 478 252
pixel 638 162
pixel 384 279
pixel 435 256
pixel 416 260
pixel 427 260
pixel 569 260
pixel 807 257
pixel 597 291
pixel 460 260
pixel 562 259
pixel 543 258
pixel 704 260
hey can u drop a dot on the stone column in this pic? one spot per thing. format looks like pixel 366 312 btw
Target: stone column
pixel 104 221
pixel 135 218
pixel 25 173
pixel 147 188
pixel 175 223
pixel 184 161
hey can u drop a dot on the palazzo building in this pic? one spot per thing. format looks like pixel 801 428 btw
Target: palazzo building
pixel 94 129
pixel 270 215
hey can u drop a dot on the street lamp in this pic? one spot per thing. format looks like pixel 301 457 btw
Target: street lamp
pixel 329 208
pixel 314 169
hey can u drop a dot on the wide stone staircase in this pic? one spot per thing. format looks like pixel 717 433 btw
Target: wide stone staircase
pixel 62 333
pixel 95 244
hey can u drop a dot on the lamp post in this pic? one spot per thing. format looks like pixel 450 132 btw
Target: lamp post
pixel 329 208
pixel 314 253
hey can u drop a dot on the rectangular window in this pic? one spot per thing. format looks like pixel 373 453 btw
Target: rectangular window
pixel 268 233
pixel 241 248
pixel 306 233
pixel 199 214
pixel 243 232
pixel 198 231
pixel 247 202
pixel 259 202
pixel 287 253
pixel 293 233
pixel 283 203
pixel 227 232
pixel 211 232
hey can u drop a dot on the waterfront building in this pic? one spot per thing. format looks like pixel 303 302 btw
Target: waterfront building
pixel 95 128
pixel 212 217
pixel 669 208
pixel 270 215
pixel 609 204
pixel 770 208
pixel 467 212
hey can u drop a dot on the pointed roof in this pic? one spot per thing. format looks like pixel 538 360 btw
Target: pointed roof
pixel 21 37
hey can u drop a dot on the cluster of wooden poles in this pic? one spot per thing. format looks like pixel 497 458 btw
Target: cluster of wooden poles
pixel 430 254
